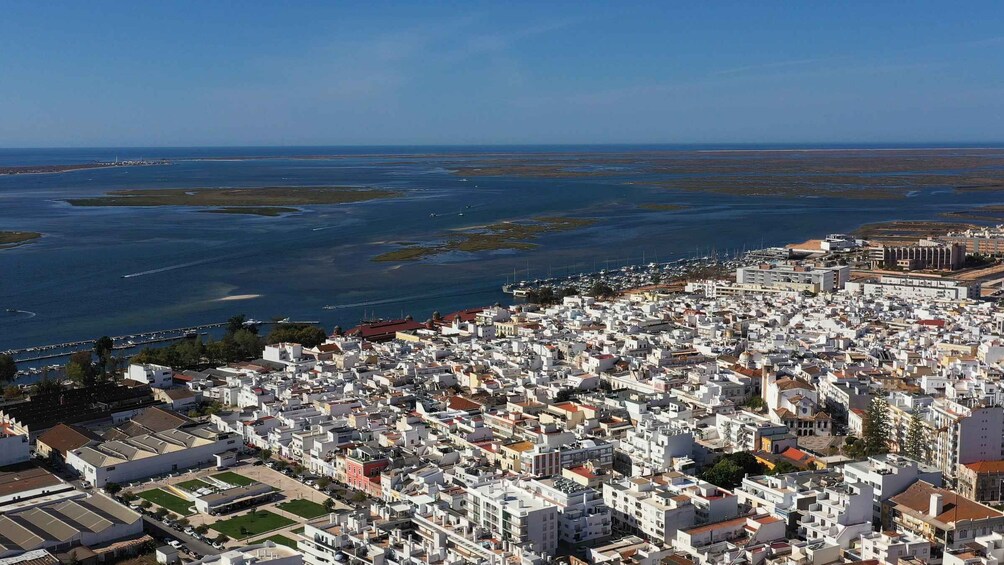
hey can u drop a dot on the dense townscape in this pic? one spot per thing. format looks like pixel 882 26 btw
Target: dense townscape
pixel 801 412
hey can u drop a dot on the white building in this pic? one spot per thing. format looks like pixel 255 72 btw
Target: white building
pixel 266 553
pixel 157 376
pixel 841 513
pixel 121 461
pixel 840 242
pixel 583 517
pixel 285 353
pixel 984 550
pixel 785 495
pixel 888 548
pixel 794 277
pixel 653 445
pixel 915 288
pixel 639 505
pixel 515 515
pixel 889 475
pixel 14 448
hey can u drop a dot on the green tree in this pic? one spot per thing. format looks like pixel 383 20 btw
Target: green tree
pixel 113 488
pixel 725 473
pixel 8 368
pixel 729 470
pixel 80 368
pixel 201 529
pixel 304 334
pixel 916 442
pixel 568 291
pixel 876 427
pixel 239 322
pixel 546 296
pixel 103 348
pixel 755 403
pixel 532 296
pixel 782 468
pixel 222 351
pixel 248 344
pixel 329 504
pixel 854 448
pixel 601 289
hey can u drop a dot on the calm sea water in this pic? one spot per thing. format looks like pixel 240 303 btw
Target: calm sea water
pixel 186 261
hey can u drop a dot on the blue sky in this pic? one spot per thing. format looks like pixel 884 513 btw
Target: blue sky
pixel 360 73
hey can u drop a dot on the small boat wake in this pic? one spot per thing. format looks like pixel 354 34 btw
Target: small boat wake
pixel 17 314
pixel 401 299
pixel 166 269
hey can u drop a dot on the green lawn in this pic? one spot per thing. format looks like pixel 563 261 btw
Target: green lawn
pixel 303 508
pixel 299 530
pixel 192 485
pixel 167 500
pixel 279 539
pixel 234 479
pixel 263 521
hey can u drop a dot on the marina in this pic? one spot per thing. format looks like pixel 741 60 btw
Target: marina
pixel 634 276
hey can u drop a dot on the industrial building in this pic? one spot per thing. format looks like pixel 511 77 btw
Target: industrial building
pixel 125 460
pixel 40 511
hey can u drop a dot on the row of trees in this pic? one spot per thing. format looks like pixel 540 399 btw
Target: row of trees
pixel 241 342
pixel 194 353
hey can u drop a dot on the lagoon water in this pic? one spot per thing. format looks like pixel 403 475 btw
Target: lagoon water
pixel 189 267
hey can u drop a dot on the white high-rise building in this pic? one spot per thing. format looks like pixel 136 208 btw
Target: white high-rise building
pixel 516 515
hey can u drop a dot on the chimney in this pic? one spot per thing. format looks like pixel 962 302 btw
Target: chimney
pixel 937 505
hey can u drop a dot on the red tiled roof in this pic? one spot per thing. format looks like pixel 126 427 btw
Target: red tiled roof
pixel 986 467
pixel 467 315
pixel 461 403
pixel 954 506
pixel 382 331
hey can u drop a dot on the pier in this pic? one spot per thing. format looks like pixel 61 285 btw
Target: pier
pixel 121 342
